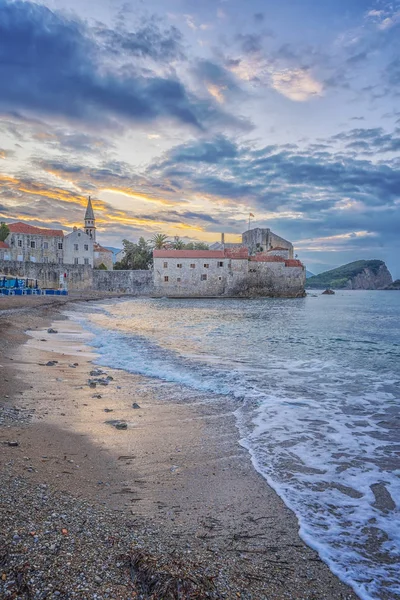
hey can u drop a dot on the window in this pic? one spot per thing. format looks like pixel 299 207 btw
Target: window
pixel 165 265
pixel 206 266
pixel 79 234
pixel 46 245
pixel 86 261
pixel 178 279
pixel 252 270
pixel 76 247
pixel 33 244
pixel 86 247
pixel 220 278
pixel 204 277
pixel 60 260
pixel 220 264
pixel 166 278
pixel 179 266
pixel 19 243
pixel 60 246
pixel 192 266
pixel 76 261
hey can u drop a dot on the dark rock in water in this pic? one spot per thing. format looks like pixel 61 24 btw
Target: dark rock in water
pixel 110 378
pixel 103 381
pixel 135 405
pixel 92 384
pixel 98 396
pixel 51 330
pixel 13 444
pixel 328 293
pixel 51 363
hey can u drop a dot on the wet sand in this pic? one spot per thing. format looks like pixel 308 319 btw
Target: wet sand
pixel 177 472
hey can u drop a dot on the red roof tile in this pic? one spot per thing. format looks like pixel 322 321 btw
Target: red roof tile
pixel 267 258
pixel 227 253
pixel 30 229
pixel 4 245
pixel 98 248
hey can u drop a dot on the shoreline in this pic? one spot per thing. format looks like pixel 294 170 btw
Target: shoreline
pixel 177 473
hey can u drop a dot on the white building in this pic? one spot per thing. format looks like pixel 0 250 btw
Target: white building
pixel 78 248
pixel 28 243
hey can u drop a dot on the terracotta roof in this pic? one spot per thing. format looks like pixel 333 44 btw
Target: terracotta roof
pixel 4 245
pixel 30 229
pixel 289 262
pixel 227 253
pixel 267 258
pixel 98 248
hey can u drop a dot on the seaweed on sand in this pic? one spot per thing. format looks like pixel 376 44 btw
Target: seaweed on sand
pixel 167 578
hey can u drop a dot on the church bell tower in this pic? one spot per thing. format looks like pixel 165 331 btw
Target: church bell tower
pixel 90 227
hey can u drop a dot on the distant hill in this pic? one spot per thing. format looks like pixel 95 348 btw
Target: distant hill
pixel 309 274
pixel 359 275
pixel 394 286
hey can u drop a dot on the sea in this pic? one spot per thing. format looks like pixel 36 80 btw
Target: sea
pixel 314 384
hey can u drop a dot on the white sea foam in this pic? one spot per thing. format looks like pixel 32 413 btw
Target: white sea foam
pixel 320 430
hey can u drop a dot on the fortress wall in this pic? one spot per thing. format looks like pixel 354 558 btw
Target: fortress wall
pixel 138 283
pixel 269 279
pixel 79 277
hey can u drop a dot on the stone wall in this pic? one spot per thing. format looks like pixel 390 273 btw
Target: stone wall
pixel 265 239
pixel 270 279
pixel 138 283
pixel 79 277
pixel 190 277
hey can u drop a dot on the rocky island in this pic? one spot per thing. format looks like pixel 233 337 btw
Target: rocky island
pixel 358 275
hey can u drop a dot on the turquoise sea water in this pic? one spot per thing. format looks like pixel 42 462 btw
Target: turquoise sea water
pixel 315 387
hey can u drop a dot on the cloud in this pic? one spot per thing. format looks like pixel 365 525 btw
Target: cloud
pixel 295 189
pixel 217 80
pixel 297 84
pixel 150 40
pixel 370 141
pixel 54 66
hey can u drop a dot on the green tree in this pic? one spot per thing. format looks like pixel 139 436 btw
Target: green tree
pixel 4 231
pixel 137 256
pixel 159 241
pixel 196 246
pixel 102 267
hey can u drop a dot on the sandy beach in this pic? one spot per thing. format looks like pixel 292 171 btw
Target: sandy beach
pixel 172 500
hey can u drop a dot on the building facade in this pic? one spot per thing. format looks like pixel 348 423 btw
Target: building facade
pixel 78 248
pixel 102 256
pixel 27 243
pixel 229 272
pixel 263 240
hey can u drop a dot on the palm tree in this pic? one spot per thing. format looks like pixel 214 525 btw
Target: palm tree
pixel 159 241
pixel 179 244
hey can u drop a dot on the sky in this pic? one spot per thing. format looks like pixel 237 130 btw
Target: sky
pixel 182 117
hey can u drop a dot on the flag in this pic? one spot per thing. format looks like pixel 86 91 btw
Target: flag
pixel 251 215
